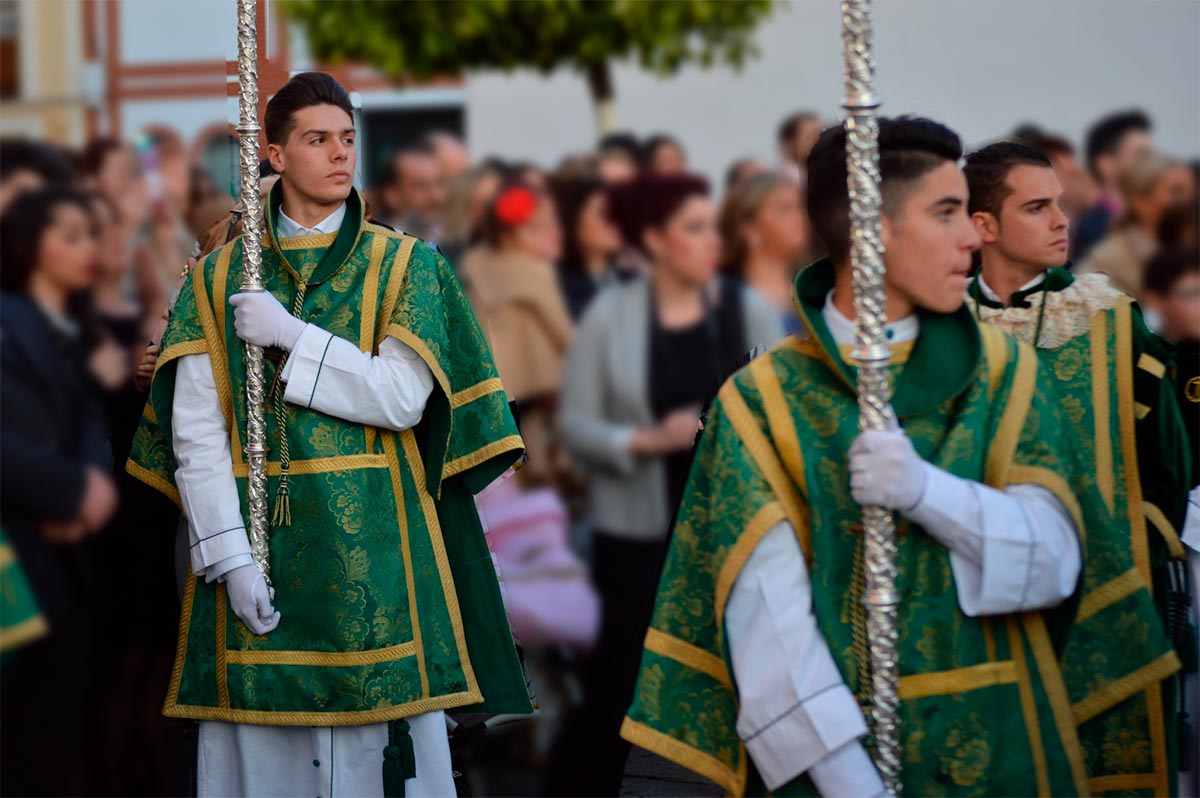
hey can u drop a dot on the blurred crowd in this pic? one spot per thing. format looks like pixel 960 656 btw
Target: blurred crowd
pixel 617 291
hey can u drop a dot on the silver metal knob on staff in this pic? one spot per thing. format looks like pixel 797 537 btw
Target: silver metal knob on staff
pixel 874 391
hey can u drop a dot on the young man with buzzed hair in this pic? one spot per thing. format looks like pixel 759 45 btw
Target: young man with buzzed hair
pixel 1112 374
pixel 756 671
pixel 384 415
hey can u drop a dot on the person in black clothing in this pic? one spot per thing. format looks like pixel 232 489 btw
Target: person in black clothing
pixel 1172 288
pixel 591 242
pixel 56 486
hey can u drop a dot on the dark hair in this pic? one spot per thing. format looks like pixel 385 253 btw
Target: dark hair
pixel 22 227
pixel 1049 143
pixel 571 196
pixel 391 173
pixel 987 173
pixel 789 126
pixel 1167 267
pixel 1105 137
pixel 622 142
pixel 303 91
pixel 92 159
pixel 909 148
pixel 44 160
pixel 650 146
pixel 492 228
pixel 733 173
pixel 649 201
pixel 1180 225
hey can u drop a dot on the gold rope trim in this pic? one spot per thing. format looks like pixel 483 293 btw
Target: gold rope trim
pixel 23 632
pixel 1102 414
pixel 391 293
pixel 318 465
pixel 413 457
pixel 1012 421
pixel 959 680
pixel 182 349
pixel 768 463
pixel 315 241
pixel 1115 692
pixel 683 754
pixel 153 480
pixel 482 455
pixel 995 347
pixel 323 659
pixel 989 638
pixel 264 718
pixel 1029 709
pixel 479 389
pixel 221 278
pixel 683 652
pixel 1053 482
pixel 1158 520
pixel 181 643
pixel 1124 783
pixel 763 521
pixel 1147 362
pixel 222 667
pixel 1109 593
pixel 215 338
pixel 406 336
pixel 370 296
pixel 389 448
pixel 779 420
pixel 1056 690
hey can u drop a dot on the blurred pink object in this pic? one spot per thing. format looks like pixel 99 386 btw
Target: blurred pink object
pixel 544 585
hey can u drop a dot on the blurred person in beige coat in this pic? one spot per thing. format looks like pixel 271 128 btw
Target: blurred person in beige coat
pixel 512 284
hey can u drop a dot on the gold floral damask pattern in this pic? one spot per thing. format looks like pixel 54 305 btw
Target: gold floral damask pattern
pixel 371 624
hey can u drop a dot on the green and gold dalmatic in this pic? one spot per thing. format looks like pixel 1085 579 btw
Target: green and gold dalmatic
pixel 985 707
pixel 388 596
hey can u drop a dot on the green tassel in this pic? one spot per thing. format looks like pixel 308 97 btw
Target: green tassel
pixel 283 504
pixel 399 760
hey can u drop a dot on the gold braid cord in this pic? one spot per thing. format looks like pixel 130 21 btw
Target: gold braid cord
pixel 256 429
pixel 874 392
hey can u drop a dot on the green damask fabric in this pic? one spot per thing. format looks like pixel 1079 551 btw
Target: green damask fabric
pixel 386 608
pixel 985 709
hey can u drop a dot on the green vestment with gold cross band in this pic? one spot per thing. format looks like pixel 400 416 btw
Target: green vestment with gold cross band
pixel 985 708
pixel 389 598
pixel 1115 396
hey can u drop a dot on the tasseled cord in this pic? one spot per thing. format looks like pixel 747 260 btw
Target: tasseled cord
pixel 283 500
pixel 399 760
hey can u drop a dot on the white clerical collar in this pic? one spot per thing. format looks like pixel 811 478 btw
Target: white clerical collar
pixel 842 328
pixel 290 228
pixel 992 296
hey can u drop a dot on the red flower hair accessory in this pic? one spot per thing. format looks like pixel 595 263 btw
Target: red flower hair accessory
pixel 515 206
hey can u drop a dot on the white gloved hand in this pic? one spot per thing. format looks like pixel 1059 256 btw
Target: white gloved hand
pixel 250 599
pixel 260 320
pixel 886 471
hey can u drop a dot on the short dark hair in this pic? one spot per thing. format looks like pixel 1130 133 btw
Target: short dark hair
pixel 987 173
pixel 651 145
pixel 1179 225
pixel 621 141
pixel 44 160
pixel 649 201
pixel 22 226
pixel 909 148
pixel 788 127
pixel 571 196
pixel 1049 143
pixel 303 91
pixel 390 174
pixel 1167 268
pixel 1105 136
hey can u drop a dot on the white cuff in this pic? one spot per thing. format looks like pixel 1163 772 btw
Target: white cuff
pixel 847 772
pixel 303 367
pixel 215 547
pixel 218 570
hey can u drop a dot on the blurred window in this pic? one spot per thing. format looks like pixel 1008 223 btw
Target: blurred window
pixel 10 76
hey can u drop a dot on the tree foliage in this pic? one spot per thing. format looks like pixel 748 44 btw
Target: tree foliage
pixel 422 38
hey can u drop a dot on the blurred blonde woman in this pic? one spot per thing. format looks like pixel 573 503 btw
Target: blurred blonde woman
pixel 1150 185
pixel 465 207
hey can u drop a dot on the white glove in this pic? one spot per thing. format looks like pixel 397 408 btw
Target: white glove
pixel 250 599
pixel 886 471
pixel 260 320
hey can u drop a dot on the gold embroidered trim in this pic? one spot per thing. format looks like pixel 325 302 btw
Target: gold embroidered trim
pixel 768 463
pixel 1114 693
pixel 222 667
pixel 1109 593
pixel 1012 421
pixel 221 278
pixel 1056 691
pixel 153 480
pixel 315 241
pixel 323 659
pixel 683 652
pixel 406 336
pixel 1101 410
pixel 182 349
pixel 1124 783
pixel 381 715
pixel 482 454
pixel 959 680
pixel 318 465
pixel 181 642
pixel 476 391
pixel 779 420
pixel 1151 364
pixel 391 294
pixel 989 638
pixel 23 632
pixel 389 448
pixel 683 754
pixel 366 322
pixel 1053 482
pixel 1029 709
pixel 1158 520
pixel 215 338
pixel 995 348
pixel 767 517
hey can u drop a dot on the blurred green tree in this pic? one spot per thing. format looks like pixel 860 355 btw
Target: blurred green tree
pixel 422 38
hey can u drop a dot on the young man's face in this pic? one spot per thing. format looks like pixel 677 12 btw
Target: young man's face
pixel 1032 226
pixel 928 243
pixel 317 160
